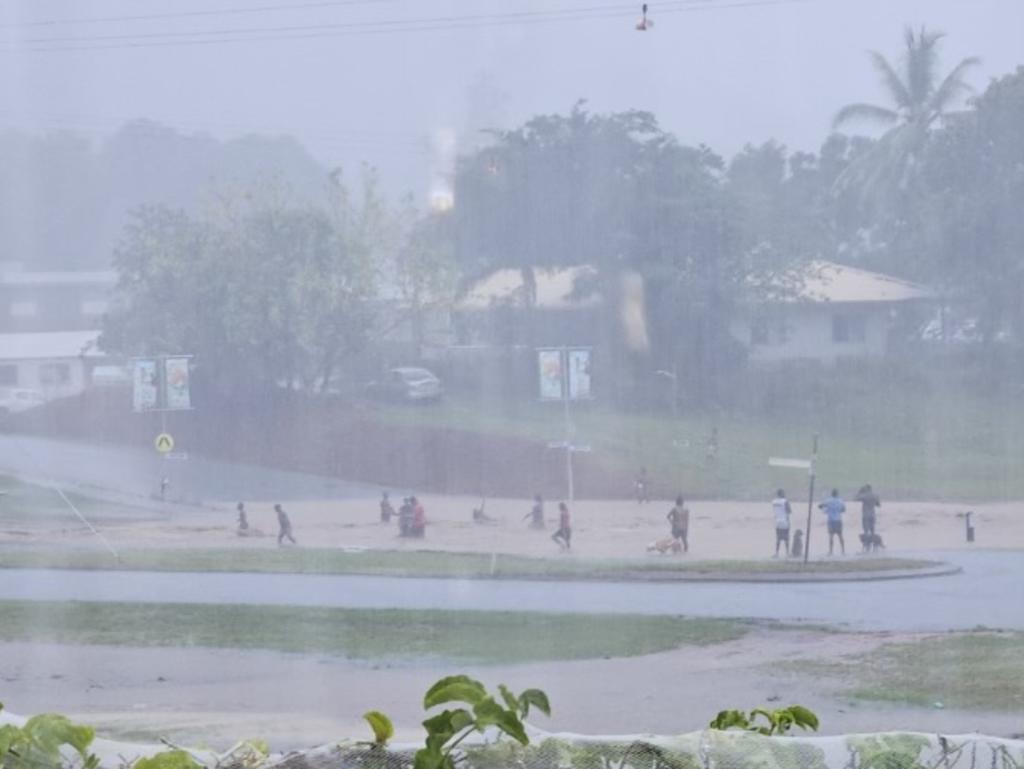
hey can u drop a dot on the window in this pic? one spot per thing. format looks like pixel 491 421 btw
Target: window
pixel 848 329
pixel 23 309
pixel 8 375
pixel 54 374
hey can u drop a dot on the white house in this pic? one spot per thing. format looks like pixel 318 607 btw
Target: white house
pixel 831 311
pixel 53 363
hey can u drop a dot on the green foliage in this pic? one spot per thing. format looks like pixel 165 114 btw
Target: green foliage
pixel 767 722
pixel 261 289
pixel 383 729
pixel 889 751
pixel 37 744
pixel 170 759
pixel 445 730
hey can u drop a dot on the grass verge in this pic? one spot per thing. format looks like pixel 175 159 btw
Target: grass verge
pixel 910 441
pixel 25 504
pixel 426 563
pixel 980 671
pixel 470 636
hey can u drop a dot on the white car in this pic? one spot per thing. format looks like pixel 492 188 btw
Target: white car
pixel 14 400
pixel 407 383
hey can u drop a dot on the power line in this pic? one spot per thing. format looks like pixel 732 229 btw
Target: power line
pixel 358 29
pixel 467 19
pixel 235 11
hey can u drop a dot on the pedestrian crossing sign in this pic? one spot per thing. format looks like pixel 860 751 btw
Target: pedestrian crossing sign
pixel 164 443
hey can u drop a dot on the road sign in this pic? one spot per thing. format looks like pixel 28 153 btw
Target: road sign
pixel 179 455
pixel 164 443
pixel 799 464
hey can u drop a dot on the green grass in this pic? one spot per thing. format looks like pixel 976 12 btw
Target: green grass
pixel 911 440
pixel 422 563
pixel 365 634
pixel 26 504
pixel 979 671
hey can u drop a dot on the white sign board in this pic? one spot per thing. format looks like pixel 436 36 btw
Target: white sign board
pixel 145 385
pixel 550 373
pixel 579 374
pixel 177 383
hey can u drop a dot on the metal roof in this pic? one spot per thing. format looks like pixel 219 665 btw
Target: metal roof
pixel 822 281
pixel 105 278
pixel 49 345
pixel 555 287
pixel 817 281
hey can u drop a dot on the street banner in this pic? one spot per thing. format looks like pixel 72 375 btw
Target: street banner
pixel 145 385
pixel 579 374
pixel 178 394
pixel 549 366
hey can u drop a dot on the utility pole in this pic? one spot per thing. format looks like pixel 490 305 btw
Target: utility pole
pixel 810 498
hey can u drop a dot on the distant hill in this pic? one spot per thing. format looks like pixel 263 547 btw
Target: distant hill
pixel 64 198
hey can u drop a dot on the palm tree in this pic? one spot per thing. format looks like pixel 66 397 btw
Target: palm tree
pixel 918 100
pixel 918 97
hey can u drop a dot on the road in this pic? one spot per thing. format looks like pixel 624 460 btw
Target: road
pixel 137 472
pixel 986 593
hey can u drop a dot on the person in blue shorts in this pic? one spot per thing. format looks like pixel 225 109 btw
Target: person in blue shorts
pixel 834 509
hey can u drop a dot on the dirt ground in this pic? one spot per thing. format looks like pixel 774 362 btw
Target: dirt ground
pixel 214 697
pixel 601 529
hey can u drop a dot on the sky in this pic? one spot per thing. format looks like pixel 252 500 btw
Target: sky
pixel 405 84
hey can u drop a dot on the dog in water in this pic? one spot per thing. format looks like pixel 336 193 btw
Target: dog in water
pixel 662 546
pixel 872 542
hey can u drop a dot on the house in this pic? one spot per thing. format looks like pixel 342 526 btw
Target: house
pixel 55 364
pixel 822 312
pixel 49 327
pixel 829 312
pixel 501 309
pixel 32 301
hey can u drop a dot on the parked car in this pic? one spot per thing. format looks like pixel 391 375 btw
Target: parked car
pixel 14 400
pixel 407 383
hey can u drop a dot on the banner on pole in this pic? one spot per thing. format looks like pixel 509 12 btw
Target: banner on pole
pixel 551 374
pixel 177 391
pixel 579 374
pixel 145 385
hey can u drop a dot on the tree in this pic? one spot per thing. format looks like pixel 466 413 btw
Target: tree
pixel 263 292
pixel 974 177
pixel 918 100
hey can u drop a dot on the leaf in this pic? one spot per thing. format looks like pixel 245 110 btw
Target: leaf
pixel 48 731
pixel 509 697
pixel 804 718
pixel 490 713
pixel 171 759
pixel 383 729
pixel 429 758
pixel 537 699
pixel 454 689
pixel 8 736
pixel 730 719
pixel 445 725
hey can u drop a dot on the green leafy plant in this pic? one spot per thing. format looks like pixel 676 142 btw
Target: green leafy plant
pixel 766 722
pixel 38 743
pixel 447 729
pixel 169 759
pixel 383 729
pixel 889 751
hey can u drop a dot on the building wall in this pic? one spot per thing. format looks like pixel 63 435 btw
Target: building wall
pixel 55 378
pixel 52 307
pixel 819 332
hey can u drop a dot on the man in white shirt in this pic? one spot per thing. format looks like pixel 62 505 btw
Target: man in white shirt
pixel 781 511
